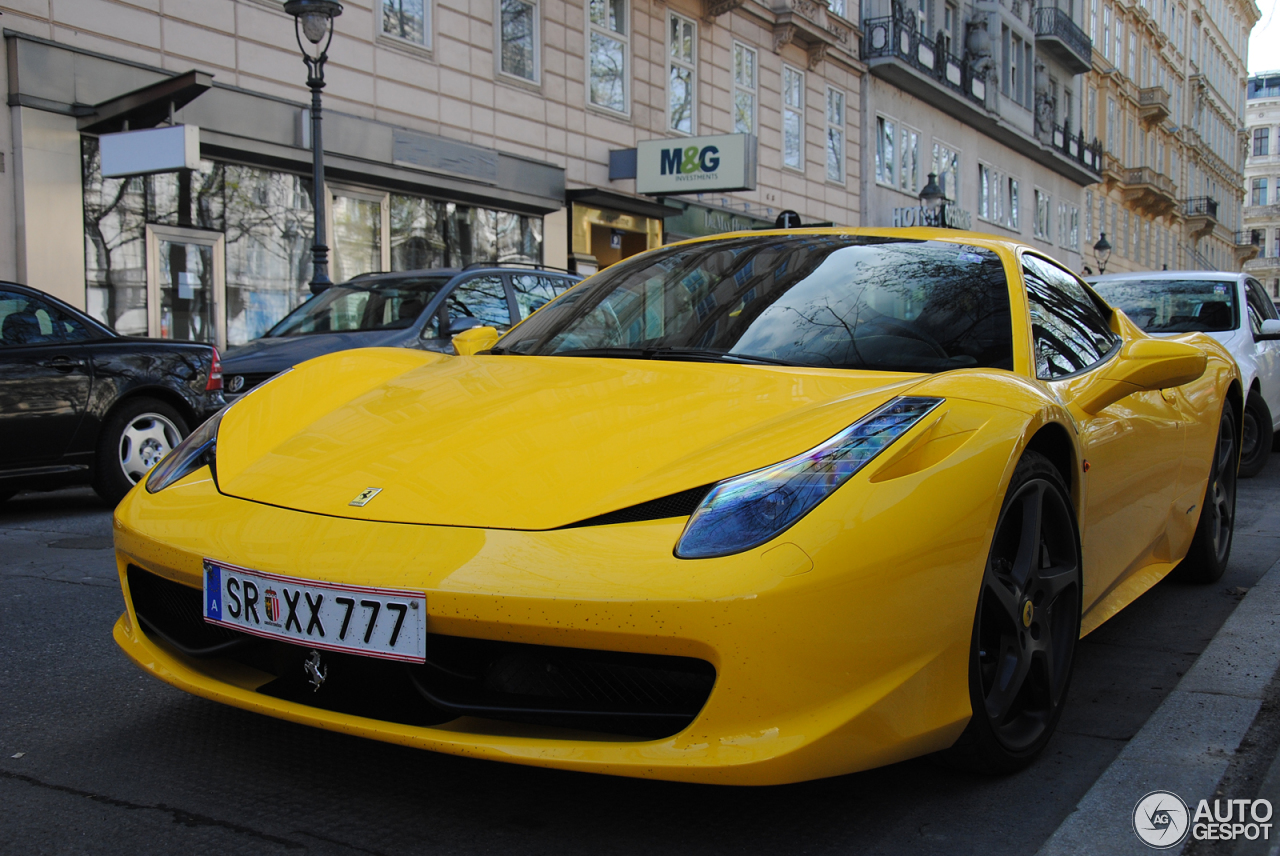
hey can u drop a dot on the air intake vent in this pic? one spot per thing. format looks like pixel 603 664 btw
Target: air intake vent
pixel 675 505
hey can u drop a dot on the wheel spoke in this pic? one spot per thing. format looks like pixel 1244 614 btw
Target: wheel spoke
pixel 1054 581
pixel 1010 604
pixel 1012 668
pixel 1027 559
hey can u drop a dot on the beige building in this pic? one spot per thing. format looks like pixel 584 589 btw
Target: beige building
pixel 1166 97
pixel 455 131
pixel 1261 234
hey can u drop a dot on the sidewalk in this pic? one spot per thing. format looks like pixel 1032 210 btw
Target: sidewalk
pixel 1194 739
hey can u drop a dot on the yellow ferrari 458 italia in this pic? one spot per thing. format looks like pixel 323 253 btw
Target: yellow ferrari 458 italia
pixel 753 509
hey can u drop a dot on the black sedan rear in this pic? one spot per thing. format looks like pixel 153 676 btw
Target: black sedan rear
pixel 80 403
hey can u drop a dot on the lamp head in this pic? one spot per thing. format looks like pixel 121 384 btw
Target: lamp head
pixel 1102 252
pixel 931 195
pixel 315 18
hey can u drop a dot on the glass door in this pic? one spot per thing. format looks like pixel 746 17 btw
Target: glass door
pixel 359 222
pixel 186 285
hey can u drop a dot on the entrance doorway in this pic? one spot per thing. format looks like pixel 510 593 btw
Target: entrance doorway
pixel 186 285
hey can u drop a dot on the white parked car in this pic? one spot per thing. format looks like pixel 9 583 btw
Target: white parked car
pixel 1232 308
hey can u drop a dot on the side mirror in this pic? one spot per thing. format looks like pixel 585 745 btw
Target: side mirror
pixel 463 322
pixel 474 340
pixel 1143 364
pixel 1270 330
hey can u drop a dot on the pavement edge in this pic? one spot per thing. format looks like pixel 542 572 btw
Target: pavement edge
pixel 1188 743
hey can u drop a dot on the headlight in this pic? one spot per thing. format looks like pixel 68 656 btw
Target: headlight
pixel 748 510
pixel 188 456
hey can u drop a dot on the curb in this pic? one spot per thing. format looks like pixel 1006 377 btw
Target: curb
pixel 1187 744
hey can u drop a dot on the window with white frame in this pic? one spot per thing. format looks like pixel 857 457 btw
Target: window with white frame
pixel 1014 223
pixel 835 135
pixel 1041 227
pixel 744 89
pixel 682 75
pixel 1073 229
pixel 838 6
pixel 608 54
pixel 1106 32
pixel 886 164
pixel 909 161
pixel 792 117
pixel 518 38
pixel 1088 216
pixel 989 191
pixel 946 165
pixel 408 20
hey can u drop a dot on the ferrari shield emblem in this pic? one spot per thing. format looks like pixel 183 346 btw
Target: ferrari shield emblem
pixel 363 497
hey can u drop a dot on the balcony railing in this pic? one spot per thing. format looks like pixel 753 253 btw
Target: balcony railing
pixel 1249 238
pixel 1074 147
pixel 1200 206
pixel 1149 191
pixel 1056 32
pixel 1144 175
pixel 1273 261
pixel 896 36
pixel 1153 104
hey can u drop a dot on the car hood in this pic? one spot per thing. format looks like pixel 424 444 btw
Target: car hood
pixel 275 354
pixel 522 442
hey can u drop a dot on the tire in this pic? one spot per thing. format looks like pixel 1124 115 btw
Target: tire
pixel 1025 627
pixel 1211 546
pixel 133 439
pixel 1257 436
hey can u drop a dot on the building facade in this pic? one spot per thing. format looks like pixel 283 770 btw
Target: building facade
pixel 987 96
pixel 1261 238
pixel 455 131
pixel 1166 98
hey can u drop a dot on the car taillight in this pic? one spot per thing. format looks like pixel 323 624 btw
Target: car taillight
pixel 215 373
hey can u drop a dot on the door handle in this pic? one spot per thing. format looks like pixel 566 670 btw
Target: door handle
pixel 62 363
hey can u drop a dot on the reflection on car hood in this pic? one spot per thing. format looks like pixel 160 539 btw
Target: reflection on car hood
pixel 279 353
pixel 522 442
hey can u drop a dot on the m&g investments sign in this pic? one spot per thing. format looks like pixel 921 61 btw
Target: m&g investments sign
pixel 696 164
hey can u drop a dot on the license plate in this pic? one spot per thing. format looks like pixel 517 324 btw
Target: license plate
pixel 375 622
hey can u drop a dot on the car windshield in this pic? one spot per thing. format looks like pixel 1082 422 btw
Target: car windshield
pixel 355 306
pixel 1174 305
pixel 830 301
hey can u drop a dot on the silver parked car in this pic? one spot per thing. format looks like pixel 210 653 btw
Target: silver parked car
pixel 1231 307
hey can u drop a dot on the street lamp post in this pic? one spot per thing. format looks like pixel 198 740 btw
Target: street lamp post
pixel 1102 252
pixel 934 202
pixel 314 20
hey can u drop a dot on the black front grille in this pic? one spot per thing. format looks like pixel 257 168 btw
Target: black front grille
pixel 642 695
pixel 251 379
pixel 675 505
pixel 175 613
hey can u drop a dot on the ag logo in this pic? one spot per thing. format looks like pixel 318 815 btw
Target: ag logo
pixel 1160 819
pixel 682 160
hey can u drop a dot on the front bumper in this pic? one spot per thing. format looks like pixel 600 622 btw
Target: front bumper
pixel 833 652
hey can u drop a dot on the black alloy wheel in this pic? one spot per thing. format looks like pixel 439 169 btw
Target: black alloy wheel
pixel 1206 560
pixel 1256 439
pixel 1027 624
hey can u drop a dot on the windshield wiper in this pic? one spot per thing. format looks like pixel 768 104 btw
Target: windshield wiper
pixel 674 354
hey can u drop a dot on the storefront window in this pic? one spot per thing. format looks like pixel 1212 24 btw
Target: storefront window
pixel 115 244
pixel 357 237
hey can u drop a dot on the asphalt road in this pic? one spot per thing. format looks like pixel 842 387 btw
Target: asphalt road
pixel 116 762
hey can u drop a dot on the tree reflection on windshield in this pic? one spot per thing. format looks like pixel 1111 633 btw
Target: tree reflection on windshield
pixel 832 301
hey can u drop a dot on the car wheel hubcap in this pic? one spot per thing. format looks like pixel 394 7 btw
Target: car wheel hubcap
pixel 1222 492
pixel 146 439
pixel 1028 615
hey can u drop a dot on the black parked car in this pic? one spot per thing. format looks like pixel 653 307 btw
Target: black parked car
pixel 81 403
pixel 409 309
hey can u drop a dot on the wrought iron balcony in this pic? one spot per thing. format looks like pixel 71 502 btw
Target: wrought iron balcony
pixel 1153 105
pixel 896 37
pixel 1059 35
pixel 1075 147
pixel 1249 238
pixel 1202 215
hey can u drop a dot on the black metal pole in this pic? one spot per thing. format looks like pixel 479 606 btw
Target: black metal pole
pixel 319 250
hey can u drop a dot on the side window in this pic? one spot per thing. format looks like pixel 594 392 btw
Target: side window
pixel 1260 306
pixel 533 291
pixel 27 321
pixel 1069 332
pixel 482 297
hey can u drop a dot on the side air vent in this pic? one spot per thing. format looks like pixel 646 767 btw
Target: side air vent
pixel 675 505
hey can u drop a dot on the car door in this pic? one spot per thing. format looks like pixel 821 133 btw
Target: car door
pixel 1133 447
pixel 1266 352
pixel 45 380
